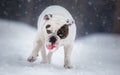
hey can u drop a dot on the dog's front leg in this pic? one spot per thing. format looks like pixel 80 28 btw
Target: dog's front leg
pixel 35 51
pixel 49 56
pixel 67 53
pixel 43 54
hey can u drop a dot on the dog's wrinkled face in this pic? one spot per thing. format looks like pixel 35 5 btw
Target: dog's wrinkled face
pixel 56 29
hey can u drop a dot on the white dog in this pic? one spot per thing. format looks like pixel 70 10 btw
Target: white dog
pixel 56 28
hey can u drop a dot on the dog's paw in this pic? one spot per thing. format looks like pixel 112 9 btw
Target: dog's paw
pixel 68 66
pixel 31 59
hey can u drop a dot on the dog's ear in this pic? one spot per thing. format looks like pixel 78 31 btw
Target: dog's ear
pixel 48 16
pixel 69 22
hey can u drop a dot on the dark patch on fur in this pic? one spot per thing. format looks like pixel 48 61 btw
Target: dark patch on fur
pixel 46 17
pixel 67 21
pixel 63 31
pixel 48 26
pixel 49 31
pixel 51 15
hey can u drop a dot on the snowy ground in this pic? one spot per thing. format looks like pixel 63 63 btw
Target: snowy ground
pixel 97 54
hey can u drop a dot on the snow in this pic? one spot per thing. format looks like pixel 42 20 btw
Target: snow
pixel 97 54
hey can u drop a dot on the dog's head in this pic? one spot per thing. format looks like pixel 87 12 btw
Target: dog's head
pixel 56 29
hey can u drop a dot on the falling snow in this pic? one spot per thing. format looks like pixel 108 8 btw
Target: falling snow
pixel 118 18
pixel 26 12
pixel 90 3
pixel 5 13
pixel 19 6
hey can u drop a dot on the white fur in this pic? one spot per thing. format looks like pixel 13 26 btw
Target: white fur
pixel 60 16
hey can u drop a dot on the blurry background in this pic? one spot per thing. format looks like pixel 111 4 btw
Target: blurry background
pixel 92 16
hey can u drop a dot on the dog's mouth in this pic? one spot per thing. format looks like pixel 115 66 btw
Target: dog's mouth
pixel 51 47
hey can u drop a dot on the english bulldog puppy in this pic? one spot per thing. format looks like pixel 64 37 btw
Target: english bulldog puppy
pixel 56 28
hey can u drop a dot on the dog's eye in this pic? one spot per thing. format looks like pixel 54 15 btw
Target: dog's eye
pixel 60 34
pixel 63 32
pixel 49 31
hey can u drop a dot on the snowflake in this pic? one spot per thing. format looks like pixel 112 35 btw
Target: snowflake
pixel 19 6
pixel 26 12
pixel 6 13
pixel 118 18
pixel 90 3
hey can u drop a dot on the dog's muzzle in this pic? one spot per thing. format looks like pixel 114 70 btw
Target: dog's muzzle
pixel 52 40
pixel 52 44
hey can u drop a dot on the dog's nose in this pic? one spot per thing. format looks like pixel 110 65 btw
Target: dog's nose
pixel 53 39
